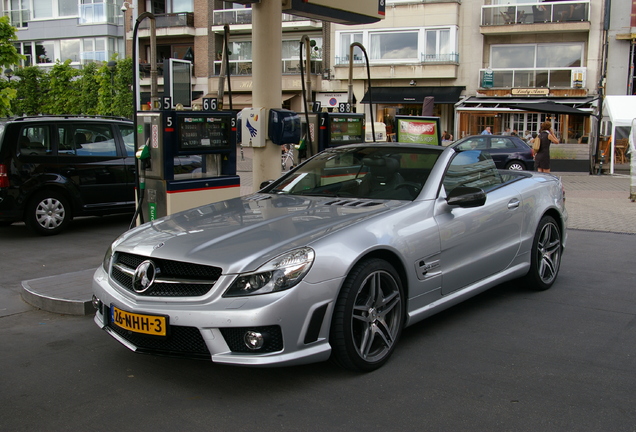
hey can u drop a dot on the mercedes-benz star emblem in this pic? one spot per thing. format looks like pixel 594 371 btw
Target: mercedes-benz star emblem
pixel 144 276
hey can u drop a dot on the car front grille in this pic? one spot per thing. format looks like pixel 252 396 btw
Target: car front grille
pixel 180 342
pixel 173 279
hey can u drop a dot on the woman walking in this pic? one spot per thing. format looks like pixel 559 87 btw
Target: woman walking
pixel 542 156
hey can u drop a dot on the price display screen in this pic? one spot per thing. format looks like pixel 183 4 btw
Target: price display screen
pixel 200 133
pixel 346 129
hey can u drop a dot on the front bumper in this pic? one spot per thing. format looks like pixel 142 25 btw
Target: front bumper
pixel 296 323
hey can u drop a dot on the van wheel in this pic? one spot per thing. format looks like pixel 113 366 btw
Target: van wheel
pixel 48 213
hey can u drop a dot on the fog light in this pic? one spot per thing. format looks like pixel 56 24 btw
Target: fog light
pixel 97 303
pixel 253 340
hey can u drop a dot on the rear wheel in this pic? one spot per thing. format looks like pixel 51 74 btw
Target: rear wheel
pixel 515 166
pixel 545 255
pixel 368 317
pixel 48 213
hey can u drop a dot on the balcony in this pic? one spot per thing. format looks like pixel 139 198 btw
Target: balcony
pixel 534 78
pixel 289 67
pixel 99 13
pixel 169 20
pixel 573 16
pixel 451 58
pixel 243 16
pixel 18 18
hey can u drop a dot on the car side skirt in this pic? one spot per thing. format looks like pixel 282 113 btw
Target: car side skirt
pixel 459 296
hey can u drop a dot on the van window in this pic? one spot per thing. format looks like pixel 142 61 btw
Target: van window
pixel 34 141
pixel 86 140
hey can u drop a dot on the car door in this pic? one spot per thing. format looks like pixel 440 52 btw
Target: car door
pixel 477 242
pixel 91 161
pixel 500 149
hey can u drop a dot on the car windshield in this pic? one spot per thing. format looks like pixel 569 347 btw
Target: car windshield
pixel 362 172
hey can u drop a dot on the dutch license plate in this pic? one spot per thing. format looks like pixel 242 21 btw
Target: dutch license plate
pixel 147 324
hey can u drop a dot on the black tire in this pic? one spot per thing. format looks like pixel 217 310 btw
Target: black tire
pixel 545 261
pixel 368 317
pixel 516 166
pixel 48 213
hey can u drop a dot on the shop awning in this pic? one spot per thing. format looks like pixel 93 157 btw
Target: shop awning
pixel 549 107
pixel 565 105
pixel 412 95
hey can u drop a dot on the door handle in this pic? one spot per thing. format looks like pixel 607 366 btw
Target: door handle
pixel 513 204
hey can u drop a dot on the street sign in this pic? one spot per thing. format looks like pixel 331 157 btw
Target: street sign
pixel 488 78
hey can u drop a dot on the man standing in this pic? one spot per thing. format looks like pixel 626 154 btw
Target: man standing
pixel 486 131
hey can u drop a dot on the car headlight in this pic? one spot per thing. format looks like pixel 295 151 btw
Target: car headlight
pixel 279 274
pixel 107 259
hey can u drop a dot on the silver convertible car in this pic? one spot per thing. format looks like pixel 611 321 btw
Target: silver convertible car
pixel 333 259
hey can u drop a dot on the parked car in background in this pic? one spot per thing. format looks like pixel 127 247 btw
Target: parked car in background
pixel 333 259
pixel 508 152
pixel 53 168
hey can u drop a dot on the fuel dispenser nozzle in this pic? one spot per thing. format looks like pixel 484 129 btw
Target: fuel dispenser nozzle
pixel 143 154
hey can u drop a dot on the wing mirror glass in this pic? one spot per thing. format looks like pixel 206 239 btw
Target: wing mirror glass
pixel 466 197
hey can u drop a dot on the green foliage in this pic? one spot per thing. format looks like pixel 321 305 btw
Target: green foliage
pixel 63 95
pixel 91 90
pixel 30 92
pixel 88 87
pixel 8 57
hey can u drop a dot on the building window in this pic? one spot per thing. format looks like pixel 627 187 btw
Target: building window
pixel 535 65
pixel 437 44
pixel 345 40
pixel 394 46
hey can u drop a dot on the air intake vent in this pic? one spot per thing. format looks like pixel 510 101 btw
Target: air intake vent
pixel 352 203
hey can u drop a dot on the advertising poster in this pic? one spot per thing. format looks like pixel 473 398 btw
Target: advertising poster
pixel 421 130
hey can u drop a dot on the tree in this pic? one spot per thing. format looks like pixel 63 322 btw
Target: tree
pixel 63 95
pixel 9 57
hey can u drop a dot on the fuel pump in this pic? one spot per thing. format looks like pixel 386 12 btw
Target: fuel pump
pixel 188 160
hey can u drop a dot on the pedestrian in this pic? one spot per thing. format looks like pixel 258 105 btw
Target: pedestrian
pixel 446 138
pixel 528 137
pixel 514 132
pixel 486 131
pixel 506 132
pixel 542 156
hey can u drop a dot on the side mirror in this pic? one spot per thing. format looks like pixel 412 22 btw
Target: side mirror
pixel 265 184
pixel 466 197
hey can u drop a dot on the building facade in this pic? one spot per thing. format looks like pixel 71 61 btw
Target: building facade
pixel 77 30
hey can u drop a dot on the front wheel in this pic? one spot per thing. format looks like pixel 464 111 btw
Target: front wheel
pixel 545 255
pixel 368 317
pixel 48 213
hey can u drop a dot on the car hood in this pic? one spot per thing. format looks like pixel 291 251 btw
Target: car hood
pixel 243 233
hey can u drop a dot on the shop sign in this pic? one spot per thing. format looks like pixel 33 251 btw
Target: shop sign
pixel 530 91
pixel 488 78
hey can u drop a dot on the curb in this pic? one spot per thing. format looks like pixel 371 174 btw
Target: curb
pixel 67 294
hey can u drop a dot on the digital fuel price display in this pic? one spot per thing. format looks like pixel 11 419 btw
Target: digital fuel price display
pixel 346 129
pixel 200 133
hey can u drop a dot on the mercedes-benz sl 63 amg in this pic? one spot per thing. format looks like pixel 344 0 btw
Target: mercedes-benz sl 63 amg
pixel 333 259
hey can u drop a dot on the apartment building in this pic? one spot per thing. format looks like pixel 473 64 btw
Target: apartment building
pixel 79 30
pixel 478 59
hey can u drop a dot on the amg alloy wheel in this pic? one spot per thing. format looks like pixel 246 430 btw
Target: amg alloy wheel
pixel 546 255
pixel 368 317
